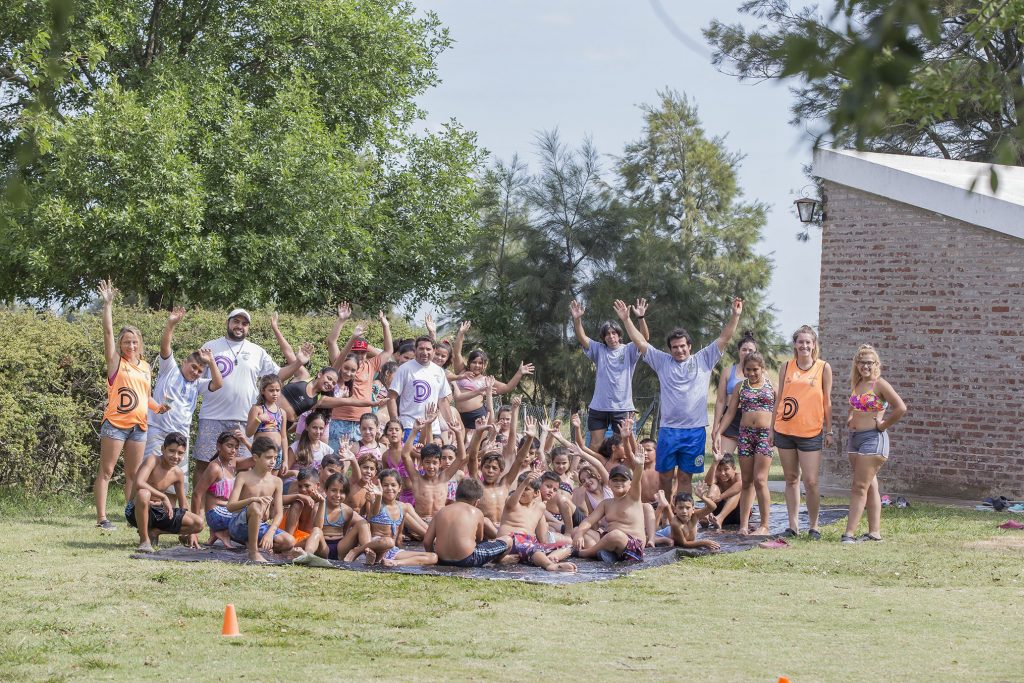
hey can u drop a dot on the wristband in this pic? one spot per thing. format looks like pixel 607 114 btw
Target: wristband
pixel 640 317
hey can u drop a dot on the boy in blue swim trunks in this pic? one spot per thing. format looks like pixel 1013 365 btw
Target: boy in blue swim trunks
pixel 684 380
pixel 257 506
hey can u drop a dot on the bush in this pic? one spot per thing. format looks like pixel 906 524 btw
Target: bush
pixel 53 394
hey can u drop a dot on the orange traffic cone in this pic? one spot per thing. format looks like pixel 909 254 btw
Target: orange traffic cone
pixel 230 628
pixel 783 679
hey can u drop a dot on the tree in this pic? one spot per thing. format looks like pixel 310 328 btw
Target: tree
pixel 223 150
pixel 689 247
pixel 904 76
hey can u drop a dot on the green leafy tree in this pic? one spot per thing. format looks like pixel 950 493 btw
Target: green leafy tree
pixel 904 76
pixel 203 152
pixel 690 244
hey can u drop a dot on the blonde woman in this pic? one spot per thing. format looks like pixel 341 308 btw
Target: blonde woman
pixel 128 401
pixel 868 446
pixel 802 407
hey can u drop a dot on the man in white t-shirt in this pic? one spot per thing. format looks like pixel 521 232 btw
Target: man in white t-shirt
pixel 241 364
pixel 418 383
pixel 179 389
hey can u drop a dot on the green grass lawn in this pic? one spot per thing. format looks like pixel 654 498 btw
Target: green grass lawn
pixel 929 604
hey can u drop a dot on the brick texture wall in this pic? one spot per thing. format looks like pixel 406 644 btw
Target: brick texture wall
pixel 943 302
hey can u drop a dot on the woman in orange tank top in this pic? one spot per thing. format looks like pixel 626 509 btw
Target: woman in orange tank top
pixel 128 400
pixel 802 406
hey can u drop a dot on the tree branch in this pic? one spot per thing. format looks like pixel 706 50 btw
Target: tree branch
pixel 154 17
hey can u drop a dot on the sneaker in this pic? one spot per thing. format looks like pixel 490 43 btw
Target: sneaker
pixel 869 537
pixel 106 525
pixel 814 534
pixel 789 533
pixel 847 539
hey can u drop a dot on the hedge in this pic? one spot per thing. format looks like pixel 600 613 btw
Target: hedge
pixel 53 392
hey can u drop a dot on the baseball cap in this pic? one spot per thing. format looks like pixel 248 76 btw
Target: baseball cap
pixel 240 312
pixel 621 471
pixel 360 345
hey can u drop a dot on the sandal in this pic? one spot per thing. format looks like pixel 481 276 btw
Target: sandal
pixel 869 537
pixel 847 538
pixel 106 525
pixel 774 544
pixel 1011 524
pixel 902 502
pixel 813 535
pixel 789 533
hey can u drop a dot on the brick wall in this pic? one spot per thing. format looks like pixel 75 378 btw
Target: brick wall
pixel 943 302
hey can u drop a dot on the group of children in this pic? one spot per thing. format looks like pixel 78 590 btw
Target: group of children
pixel 487 494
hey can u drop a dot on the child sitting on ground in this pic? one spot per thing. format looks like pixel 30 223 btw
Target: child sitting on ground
pixel 337 530
pixel 300 519
pixel 626 535
pixel 523 520
pixel 561 513
pixel 387 522
pixel 150 510
pixel 359 487
pixel 256 505
pixel 496 480
pixel 684 519
pixel 724 486
pixel 213 489
pixel 456 533
pixel 430 487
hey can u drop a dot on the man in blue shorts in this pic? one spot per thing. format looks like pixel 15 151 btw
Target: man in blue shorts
pixel 684 380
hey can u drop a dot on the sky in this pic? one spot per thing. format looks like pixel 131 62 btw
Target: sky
pixel 520 67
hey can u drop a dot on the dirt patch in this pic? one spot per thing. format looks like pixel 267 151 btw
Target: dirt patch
pixel 1011 543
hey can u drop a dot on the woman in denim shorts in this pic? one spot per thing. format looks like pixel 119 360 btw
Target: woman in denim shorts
pixel 868 447
pixel 128 402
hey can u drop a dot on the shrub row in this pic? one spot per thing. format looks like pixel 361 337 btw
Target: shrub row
pixel 53 392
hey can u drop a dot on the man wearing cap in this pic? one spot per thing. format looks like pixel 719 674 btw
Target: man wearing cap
pixel 684 379
pixel 241 364
pixel 345 419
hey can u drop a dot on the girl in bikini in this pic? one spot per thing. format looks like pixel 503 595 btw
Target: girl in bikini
pixel 369 433
pixel 267 417
pixel 387 521
pixel 727 384
pixel 868 447
pixel 755 399
pixel 213 489
pixel 392 458
pixel 473 382
pixel 338 530
pixel 360 486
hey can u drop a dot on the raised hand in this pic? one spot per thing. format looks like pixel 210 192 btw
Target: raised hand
pixel 626 425
pixel 621 309
pixel 464 328
pixel 529 426
pixel 305 352
pixel 516 402
pixel 455 427
pixel 176 314
pixel 737 307
pixel 481 424
pixel 106 291
pixel 700 489
pixel 545 427
pixel 273 321
pixel 640 308
pixel 576 309
pixel 344 311
pixel 430 413
pixel 575 420
pixel 556 425
pixel 360 328
pixel 383 318
pixel 525 368
pixel 206 355
pixel 428 322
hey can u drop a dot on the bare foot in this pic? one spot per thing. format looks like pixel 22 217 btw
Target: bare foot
pixel 371 557
pixel 350 556
pixel 145 547
pixel 562 567
pixel 762 531
pixel 743 531
pixel 389 563
pixel 257 557
pixel 509 559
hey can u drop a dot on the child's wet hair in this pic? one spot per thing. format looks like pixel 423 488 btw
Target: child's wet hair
pixel 392 473
pixel 727 460
pixel 369 417
pixel 605 449
pixel 535 484
pixel 262 444
pixel 431 450
pixel 329 461
pixel 469 490
pixel 306 473
pixel 488 457
pixel 753 357
pixel 682 497
pixel 226 436
pixel 175 439
pixel 338 478
pixel 647 440
pixel 550 476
